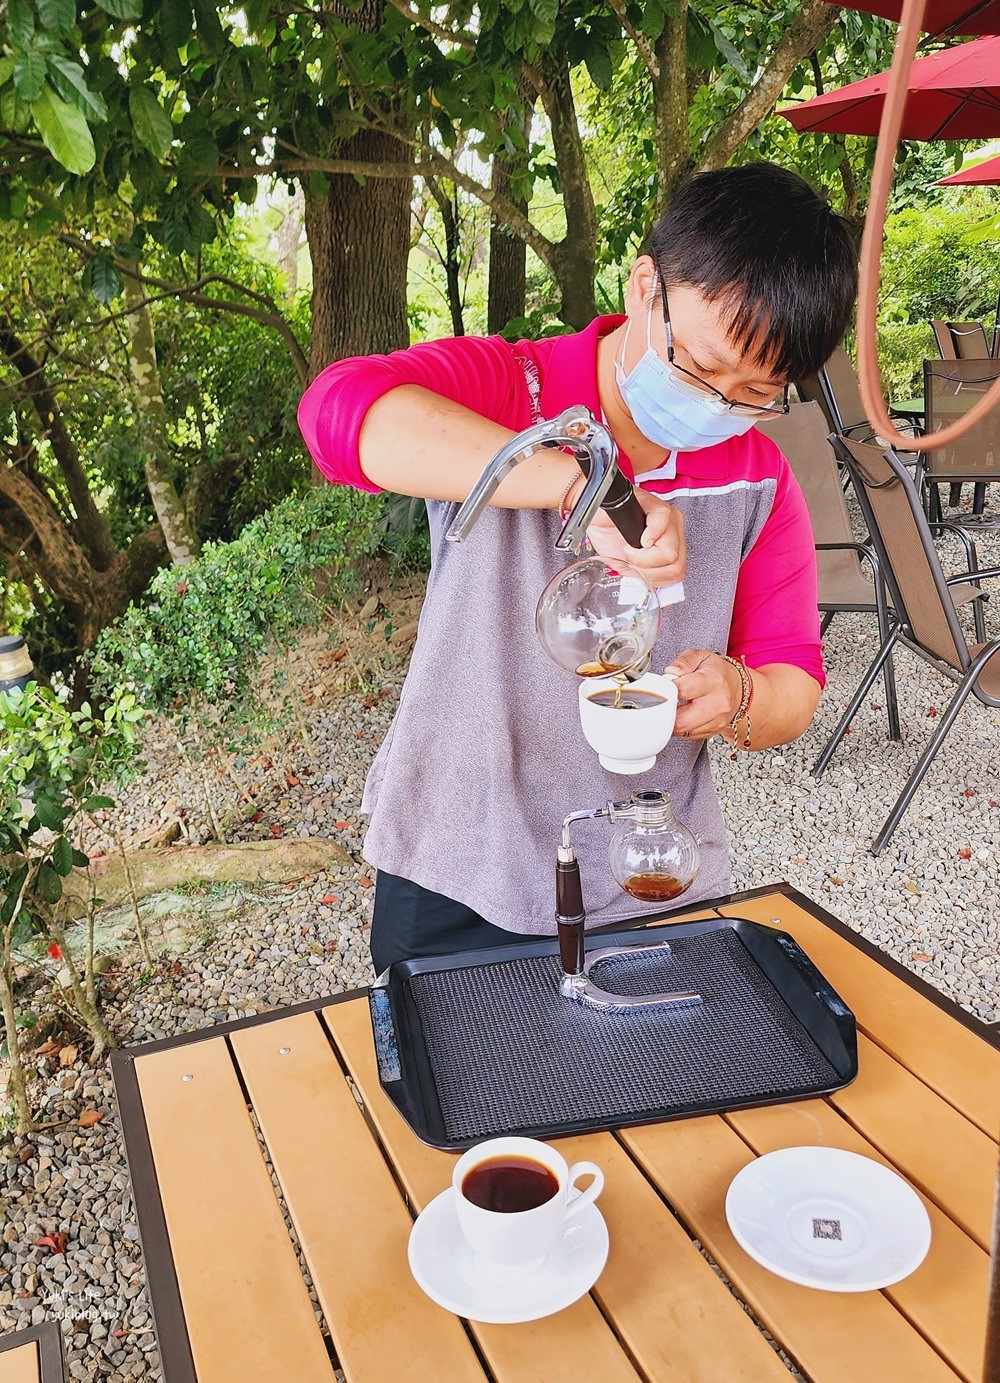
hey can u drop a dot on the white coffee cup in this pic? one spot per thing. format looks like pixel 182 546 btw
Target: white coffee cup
pixel 628 741
pixel 521 1239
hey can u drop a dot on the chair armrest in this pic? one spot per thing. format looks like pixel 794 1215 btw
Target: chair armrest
pixel 966 539
pixel 908 426
pixel 864 551
pixel 973 577
pixel 988 572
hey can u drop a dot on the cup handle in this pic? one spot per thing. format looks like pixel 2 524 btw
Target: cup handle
pixel 583 1198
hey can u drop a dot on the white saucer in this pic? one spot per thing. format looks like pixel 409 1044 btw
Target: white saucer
pixel 444 1266
pixel 827 1218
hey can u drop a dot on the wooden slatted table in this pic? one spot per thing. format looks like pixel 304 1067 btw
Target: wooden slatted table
pixel 32 1356
pixel 275 1187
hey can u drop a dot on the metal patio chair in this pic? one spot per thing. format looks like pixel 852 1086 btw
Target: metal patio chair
pixel 969 339
pixel 802 435
pixel 951 388
pixel 923 617
pixel 835 388
pixel 943 337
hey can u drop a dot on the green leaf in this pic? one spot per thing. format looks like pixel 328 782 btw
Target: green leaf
pixel 6 68
pixel 29 74
pixel 62 857
pixel 598 63
pixel 58 16
pixel 97 804
pixel 20 22
pixel 14 886
pixel 65 132
pixel 81 860
pixel 200 153
pixel 122 9
pixel 51 815
pixel 101 278
pixel 49 885
pixel 152 124
pixel 73 77
pixel 730 52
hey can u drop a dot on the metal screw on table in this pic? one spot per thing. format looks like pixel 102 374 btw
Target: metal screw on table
pixel 283 1051
pixel 187 1078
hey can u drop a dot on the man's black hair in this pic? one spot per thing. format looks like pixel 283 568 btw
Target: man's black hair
pixel 758 240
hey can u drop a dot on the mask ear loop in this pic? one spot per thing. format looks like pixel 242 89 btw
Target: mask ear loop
pixel 620 362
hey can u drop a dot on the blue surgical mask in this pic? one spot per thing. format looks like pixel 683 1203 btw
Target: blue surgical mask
pixel 669 412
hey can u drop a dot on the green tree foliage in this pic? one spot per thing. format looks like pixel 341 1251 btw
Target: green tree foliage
pixel 78 535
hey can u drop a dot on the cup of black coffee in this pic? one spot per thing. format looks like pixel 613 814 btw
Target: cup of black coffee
pixel 513 1197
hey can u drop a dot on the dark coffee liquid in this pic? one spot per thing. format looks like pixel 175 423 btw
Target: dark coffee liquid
pixel 509 1184
pixel 654 888
pixel 628 700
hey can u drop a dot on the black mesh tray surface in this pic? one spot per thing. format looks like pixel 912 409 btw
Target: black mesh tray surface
pixel 482 1044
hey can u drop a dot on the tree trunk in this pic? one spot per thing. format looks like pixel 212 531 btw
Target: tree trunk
pixel 43 549
pixel 359 239
pixel 152 419
pixel 154 871
pixel 813 22
pixel 451 260
pixel 670 106
pixel 289 236
pixel 508 252
pixel 576 255
pixel 90 527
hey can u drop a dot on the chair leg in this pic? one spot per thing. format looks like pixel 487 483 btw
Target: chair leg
pixel 979 619
pixel 934 503
pixel 979 497
pixel 954 495
pixel 888 670
pixel 826 621
pixel 867 682
pixel 925 760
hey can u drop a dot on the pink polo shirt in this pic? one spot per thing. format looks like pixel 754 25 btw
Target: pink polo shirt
pixel 774 614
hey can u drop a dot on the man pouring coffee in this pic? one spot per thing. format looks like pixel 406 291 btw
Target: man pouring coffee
pixel 745 283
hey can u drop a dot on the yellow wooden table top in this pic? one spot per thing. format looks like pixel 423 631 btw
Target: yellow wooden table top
pixel 20 1364
pixel 276 1187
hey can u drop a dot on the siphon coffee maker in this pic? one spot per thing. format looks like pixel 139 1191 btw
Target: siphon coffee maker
pixel 600 619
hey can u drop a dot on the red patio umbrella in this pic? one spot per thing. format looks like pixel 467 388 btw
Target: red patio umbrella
pixel 954 94
pixel 941 16
pixel 986 172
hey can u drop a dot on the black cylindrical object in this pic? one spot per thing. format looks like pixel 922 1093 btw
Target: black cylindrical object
pixel 620 504
pixel 570 916
pixel 624 510
pixel 16 669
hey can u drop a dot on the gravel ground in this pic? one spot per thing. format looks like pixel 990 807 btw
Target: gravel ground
pixel 929 901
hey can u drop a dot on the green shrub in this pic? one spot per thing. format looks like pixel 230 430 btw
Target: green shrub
pixel 202 629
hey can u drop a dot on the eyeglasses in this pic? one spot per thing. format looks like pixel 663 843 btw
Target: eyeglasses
pixel 742 410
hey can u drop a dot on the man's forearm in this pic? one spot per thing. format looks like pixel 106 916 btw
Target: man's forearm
pixel 414 442
pixel 785 698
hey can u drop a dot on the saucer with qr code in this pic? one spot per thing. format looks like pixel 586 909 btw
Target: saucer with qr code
pixel 827 1218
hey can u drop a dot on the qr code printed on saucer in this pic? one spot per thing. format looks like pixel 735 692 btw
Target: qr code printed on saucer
pixel 827 1229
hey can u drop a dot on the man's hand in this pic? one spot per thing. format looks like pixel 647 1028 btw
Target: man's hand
pixel 663 554
pixel 712 690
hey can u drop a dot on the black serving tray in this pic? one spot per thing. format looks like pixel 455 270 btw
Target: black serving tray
pixel 482 1044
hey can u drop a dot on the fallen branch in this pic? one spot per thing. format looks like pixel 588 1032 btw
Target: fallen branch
pixel 155 871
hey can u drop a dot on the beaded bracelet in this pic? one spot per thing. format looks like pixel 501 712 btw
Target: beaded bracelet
pixel 743 713
pixel 564 508
pixel 586 546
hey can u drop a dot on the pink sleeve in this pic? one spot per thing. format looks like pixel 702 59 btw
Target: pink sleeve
pixel 478 371
pixel 775 619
